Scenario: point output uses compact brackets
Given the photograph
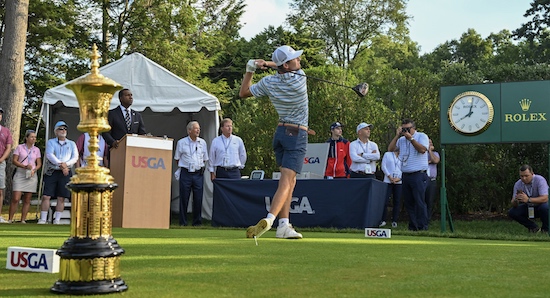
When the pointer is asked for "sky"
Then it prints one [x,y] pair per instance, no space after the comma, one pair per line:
[433,21]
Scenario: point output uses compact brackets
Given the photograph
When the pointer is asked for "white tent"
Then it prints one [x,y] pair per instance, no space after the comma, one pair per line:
[166,102]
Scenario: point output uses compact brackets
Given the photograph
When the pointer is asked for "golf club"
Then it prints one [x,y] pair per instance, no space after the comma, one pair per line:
[361,89]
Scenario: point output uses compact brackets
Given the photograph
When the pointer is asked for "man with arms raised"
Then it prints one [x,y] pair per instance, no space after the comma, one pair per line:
[413,146]
[287,90]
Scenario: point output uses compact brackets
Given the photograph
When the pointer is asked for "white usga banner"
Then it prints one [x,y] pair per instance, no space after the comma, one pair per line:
[377,233]
[32,259]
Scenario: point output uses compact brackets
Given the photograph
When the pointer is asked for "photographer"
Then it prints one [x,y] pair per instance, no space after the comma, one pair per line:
[413,147]
[530,200]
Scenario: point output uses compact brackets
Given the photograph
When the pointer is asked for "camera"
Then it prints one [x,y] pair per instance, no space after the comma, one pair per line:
[406,129]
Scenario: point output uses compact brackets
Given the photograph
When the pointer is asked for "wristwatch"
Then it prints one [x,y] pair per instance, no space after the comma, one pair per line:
[528,200]
[412,139]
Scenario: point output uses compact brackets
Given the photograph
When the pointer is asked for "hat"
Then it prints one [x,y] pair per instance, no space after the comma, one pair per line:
[363,125]
[59,124]
[284,54]
[1,110]
[335,124]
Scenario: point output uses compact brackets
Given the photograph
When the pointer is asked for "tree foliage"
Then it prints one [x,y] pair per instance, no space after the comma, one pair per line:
[348,27]
[535,31]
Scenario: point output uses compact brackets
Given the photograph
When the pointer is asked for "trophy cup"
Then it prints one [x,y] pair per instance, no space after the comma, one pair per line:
[90,258]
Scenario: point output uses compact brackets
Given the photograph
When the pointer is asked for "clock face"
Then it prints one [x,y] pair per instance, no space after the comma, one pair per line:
[470,113]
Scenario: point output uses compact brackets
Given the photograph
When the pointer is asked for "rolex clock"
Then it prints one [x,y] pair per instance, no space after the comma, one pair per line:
[470,113]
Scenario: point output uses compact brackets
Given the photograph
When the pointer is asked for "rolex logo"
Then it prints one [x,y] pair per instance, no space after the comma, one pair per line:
[525,104]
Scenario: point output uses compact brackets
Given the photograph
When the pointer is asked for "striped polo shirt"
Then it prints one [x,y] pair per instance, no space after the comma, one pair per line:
[412,160]
[288,93]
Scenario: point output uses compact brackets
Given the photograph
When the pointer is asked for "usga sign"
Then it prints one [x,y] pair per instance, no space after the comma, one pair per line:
[32,259]
[377,233]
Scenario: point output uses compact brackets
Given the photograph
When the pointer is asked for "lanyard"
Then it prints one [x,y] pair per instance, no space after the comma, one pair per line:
[529,190]
[228,143]
[395,161]
[407,153]
[365,148]
[61,152]
[192,153]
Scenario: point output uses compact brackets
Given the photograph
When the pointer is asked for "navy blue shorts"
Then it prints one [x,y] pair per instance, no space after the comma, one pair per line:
[55,185]
[290,144]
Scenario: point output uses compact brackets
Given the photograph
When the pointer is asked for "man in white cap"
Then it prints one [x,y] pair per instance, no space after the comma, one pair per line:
[364,153]
[6,142]
[287,90]
[61,156]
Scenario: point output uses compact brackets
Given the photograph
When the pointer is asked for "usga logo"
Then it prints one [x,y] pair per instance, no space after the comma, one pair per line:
[147,162]
[377,233]
[32,259]
[296,205]
[311,160]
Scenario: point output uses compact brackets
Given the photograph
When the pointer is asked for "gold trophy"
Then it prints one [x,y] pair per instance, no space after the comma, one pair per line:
[90,258]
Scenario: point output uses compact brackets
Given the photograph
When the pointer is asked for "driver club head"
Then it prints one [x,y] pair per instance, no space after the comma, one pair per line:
[361,89]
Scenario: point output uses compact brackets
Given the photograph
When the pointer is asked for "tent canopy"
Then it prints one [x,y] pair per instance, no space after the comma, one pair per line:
[152,85]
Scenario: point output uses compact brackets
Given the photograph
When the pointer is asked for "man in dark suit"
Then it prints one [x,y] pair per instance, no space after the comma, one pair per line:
[123,120]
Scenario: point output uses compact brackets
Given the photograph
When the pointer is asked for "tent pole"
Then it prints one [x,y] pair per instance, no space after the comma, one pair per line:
[45,110]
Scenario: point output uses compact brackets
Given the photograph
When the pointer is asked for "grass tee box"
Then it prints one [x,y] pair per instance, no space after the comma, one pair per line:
[32,259]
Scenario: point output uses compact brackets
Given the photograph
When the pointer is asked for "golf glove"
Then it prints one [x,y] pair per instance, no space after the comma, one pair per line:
[251,66]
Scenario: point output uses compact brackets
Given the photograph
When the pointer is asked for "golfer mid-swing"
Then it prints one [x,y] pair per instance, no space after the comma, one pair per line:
[288,93]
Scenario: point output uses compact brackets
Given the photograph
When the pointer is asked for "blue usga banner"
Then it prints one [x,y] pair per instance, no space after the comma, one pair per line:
[338,203]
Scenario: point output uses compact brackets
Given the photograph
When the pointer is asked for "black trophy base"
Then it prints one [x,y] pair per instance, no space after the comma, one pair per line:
[88,288]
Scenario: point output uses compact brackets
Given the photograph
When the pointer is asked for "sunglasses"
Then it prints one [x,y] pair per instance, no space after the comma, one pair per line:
[62,128]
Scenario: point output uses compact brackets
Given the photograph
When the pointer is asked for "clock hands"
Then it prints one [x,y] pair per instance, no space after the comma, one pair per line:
[469,113]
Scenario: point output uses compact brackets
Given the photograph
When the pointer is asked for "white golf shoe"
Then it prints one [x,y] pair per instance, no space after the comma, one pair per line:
[288,232]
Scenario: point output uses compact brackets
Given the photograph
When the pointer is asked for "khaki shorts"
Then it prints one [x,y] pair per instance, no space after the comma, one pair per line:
[3,174]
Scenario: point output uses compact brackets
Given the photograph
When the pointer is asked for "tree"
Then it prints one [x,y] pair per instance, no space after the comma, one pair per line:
[349,26]
[536,31]
[12,62]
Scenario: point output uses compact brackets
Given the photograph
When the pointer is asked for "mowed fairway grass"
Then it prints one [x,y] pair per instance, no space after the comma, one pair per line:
[211,262]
